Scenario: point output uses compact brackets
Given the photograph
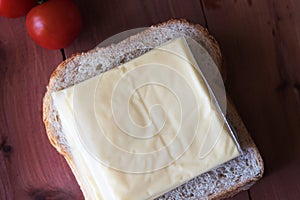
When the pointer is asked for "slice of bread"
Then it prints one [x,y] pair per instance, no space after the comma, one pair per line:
[224,181]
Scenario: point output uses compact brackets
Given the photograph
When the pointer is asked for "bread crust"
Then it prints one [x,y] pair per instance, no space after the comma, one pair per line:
[56,140]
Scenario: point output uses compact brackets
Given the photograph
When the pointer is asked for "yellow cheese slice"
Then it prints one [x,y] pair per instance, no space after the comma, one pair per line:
[145,127]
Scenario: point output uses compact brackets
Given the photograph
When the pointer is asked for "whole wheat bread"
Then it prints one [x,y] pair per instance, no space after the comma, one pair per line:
[224,181]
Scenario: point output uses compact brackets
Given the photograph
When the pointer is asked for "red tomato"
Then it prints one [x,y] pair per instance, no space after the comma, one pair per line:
[15,8]
[54,24]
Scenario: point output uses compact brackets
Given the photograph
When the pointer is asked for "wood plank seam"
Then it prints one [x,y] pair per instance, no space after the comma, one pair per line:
[204,14]
[249,194]
[62,51]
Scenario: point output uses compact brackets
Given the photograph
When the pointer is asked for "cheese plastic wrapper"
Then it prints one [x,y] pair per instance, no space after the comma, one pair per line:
[148,125]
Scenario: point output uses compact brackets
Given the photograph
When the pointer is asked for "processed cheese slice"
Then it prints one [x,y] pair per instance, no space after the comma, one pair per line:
[145,127]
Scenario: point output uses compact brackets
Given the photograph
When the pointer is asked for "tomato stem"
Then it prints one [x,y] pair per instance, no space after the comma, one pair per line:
[41,1]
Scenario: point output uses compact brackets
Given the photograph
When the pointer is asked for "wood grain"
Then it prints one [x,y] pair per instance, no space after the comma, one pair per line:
[103,19]
[29,167]
[260,41]
[240,196]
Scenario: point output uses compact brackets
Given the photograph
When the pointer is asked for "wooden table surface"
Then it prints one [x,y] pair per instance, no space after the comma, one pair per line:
[260,42]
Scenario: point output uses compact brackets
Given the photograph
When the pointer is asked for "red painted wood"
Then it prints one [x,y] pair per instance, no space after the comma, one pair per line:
[240,196]
[260,41]
[103,19]
[29,167]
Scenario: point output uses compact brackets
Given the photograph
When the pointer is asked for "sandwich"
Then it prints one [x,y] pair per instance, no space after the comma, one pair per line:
[138,120]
